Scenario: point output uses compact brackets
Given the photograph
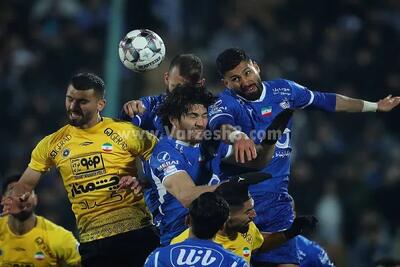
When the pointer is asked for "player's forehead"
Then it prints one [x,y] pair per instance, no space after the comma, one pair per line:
[79,94]
[175,78]
[239,69]
[197,109]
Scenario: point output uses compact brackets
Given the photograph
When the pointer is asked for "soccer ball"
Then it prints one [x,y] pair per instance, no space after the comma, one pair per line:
[141,50]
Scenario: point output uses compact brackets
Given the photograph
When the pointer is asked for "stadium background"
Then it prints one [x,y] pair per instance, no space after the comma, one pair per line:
[346,166]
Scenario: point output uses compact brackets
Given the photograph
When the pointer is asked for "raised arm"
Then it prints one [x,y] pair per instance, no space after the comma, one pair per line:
[348,104]
[182,187]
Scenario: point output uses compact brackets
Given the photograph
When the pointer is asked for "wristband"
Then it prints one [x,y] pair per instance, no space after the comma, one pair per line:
[233,136]
[369,106]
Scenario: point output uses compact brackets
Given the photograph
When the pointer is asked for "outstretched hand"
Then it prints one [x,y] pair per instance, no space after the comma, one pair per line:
[134,107]
[388,103]
[15,204]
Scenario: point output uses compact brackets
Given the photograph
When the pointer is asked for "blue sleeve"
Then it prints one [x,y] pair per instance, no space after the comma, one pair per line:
[302,98]
[150,261]
[222,112]
[150,102]
[164,163]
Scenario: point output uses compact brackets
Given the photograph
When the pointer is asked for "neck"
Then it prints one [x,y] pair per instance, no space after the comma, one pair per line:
[21,227]
[193,236]
[176,134]
[230,234]
[92,122]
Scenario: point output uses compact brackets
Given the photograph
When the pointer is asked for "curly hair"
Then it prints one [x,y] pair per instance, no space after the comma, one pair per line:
[178,102]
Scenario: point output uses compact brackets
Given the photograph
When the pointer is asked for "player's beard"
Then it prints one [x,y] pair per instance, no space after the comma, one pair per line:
[242,228]
[251,95]
[23,215]
[77,122]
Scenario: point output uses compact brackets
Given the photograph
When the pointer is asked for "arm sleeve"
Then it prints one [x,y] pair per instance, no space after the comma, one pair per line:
[40,157]
[141,143]
[152,259]
[303,98]
[67,247]
[222,112]
[164,163]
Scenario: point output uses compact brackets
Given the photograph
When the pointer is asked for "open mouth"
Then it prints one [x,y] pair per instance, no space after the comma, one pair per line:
[250,89]
[74,115]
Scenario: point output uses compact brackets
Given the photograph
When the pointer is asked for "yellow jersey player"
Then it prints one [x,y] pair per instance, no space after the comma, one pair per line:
[27,239]
[92,153]
[239,234]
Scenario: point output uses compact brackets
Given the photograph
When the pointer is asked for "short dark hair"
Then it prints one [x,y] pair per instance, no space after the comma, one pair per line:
[190,67]
[8,180]
[208,213]
[235,194]
[87,81]
[229,59]
[178,102]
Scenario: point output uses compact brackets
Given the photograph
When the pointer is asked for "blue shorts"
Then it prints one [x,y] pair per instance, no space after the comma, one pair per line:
[275,214]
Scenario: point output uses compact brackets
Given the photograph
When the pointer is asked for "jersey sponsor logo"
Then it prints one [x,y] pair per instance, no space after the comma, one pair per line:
[186,255]
[217,108]
[66,152]
[163,156]
[281,91]
[116,138]
[57,148]
[168,167]
[110,183]
[87,165]
[285,104]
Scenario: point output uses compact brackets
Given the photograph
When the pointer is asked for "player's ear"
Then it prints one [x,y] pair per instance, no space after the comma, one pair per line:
[173,121]
[101,104]
[166,78]
[35,199]
[256,67]
[224,82]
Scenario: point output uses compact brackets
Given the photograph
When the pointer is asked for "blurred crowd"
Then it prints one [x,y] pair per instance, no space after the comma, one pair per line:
[346,167]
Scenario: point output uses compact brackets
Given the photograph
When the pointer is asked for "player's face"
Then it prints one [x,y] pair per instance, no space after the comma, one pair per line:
[190,127]
[239,220]
[245,80]
[83,107]
[31,203]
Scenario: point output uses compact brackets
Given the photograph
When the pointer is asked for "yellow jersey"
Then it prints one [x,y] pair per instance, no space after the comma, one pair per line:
[47,244]
[243,245]
[91,162]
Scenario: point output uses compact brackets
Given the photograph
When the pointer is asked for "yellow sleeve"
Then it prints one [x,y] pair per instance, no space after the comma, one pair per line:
[66,247]
[258,237]
[180,238]
[141,143]
[40,160]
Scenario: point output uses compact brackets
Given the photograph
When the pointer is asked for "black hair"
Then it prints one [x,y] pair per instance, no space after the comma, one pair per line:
[190,67]
[8,180]
[235,194]
[208,213]
[229,59]
[178,102]
[87,81]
